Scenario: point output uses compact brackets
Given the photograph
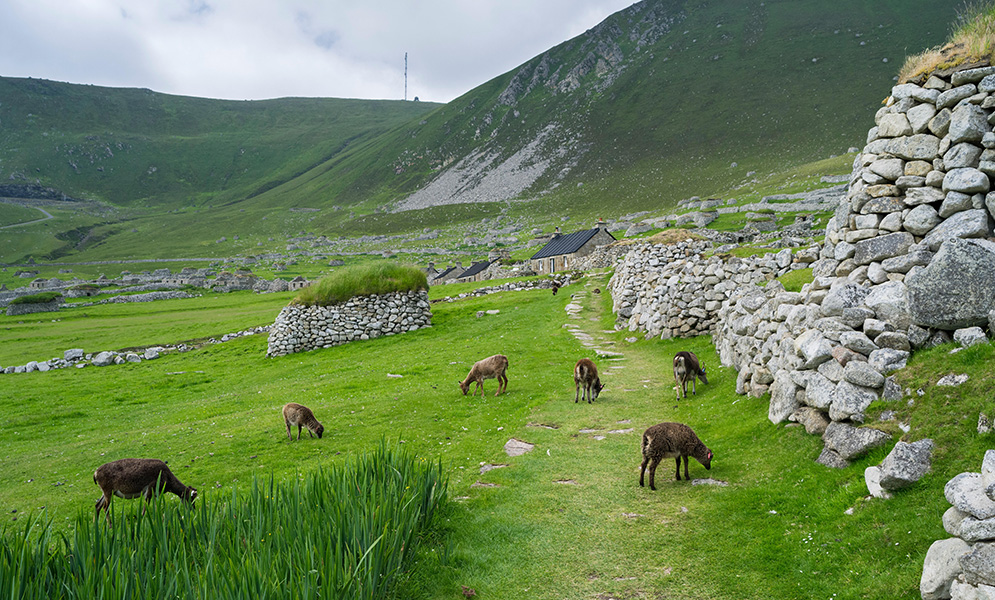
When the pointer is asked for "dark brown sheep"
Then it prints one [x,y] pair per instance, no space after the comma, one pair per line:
[672,440]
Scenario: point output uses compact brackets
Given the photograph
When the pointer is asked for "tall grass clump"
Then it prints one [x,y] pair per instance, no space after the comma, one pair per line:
[363,280]
[972,41]
[345,533]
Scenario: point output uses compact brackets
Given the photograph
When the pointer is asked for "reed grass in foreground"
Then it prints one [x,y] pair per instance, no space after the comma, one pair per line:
[346,532]
[363,280]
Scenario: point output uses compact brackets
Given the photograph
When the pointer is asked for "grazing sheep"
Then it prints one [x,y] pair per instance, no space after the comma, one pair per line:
[597,290]
[301,416]
[586,374]
[672,440]
[488,368]
[556,288]
[687,368]
[134,477]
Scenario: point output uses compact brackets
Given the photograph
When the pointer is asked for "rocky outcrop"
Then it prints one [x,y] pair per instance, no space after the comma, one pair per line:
[301,328]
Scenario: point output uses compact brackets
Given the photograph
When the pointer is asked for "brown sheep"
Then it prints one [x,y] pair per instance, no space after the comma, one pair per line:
[134,477]
[687,368]
[489,368]
[586,375]
[301,416]
[672,440]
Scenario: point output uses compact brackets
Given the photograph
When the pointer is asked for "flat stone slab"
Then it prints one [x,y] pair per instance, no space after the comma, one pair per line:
[515,447]
[709,481]
[565,481]
[486,468]
[629,430]
[481,484]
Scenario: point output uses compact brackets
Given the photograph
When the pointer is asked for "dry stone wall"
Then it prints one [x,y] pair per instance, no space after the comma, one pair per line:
[301,328]
[672,290]
[908,262]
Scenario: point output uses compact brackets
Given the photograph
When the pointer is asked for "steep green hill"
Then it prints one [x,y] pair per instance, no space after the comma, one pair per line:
[661,101]
[138,148]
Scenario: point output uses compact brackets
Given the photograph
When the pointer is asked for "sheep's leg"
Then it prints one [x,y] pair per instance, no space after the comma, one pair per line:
[576,391]
[290,436]
[678,473]
[299,433]
[686,461]
[505,377]
[653,465]
[642,469]
[694,386]
[589,392]
[103,503]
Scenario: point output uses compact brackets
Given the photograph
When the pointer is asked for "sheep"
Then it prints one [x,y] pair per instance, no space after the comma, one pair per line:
[301,416]
[587,374]
[556,288]
[687,368]
[488,368]
[672,440]
[134,477]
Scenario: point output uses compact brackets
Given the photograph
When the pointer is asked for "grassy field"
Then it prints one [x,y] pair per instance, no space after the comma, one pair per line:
[565,520]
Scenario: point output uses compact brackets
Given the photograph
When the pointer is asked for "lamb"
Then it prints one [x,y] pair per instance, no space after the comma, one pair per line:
[301,416]
[587,374]
[687,368]
[488,368]
[556,288]
[134,477]
[672,440]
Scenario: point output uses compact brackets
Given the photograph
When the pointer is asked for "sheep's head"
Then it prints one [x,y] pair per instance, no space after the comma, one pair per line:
[598,386]
[463,385]
[708,461]
[320,430]
[190,494]
[702,376]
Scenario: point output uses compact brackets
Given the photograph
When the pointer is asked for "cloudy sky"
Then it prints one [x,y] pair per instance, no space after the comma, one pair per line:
[254,49]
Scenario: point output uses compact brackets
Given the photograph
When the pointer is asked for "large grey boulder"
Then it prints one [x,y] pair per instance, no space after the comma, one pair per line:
[852,442]
[814,420]
[73,354]
[862,374]
[887,360]
[920,146]
[103,359]
[957,288]
[906,464]
[819,391]
[970,336]
[973,223]
[941,566]
[967,180]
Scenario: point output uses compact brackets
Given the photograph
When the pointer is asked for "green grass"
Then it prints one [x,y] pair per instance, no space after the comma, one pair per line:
[11,214]
[39,298]
[778,530]
[348,532]
[794,280]
[363,280]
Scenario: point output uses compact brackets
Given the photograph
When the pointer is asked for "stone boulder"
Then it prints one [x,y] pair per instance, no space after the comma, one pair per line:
[103,359]
[973,223]
[852,442]
[906,464]
[941,566]
[957,288]
[783,397]
[966,493]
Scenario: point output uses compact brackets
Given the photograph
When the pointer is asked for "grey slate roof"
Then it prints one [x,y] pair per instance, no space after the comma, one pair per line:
[475,268]
[444,274]
[567,244]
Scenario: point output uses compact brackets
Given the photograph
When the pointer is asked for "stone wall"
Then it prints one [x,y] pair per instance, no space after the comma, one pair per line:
[963,566]
[671,290]
[301,328]
[14,310]
[907,263]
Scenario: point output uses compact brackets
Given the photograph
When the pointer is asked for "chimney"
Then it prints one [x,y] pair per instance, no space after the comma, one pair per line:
[431,266]
[556,233]
[601,224]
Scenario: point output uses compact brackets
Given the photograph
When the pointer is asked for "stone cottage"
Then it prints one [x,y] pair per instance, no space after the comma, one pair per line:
[561,251]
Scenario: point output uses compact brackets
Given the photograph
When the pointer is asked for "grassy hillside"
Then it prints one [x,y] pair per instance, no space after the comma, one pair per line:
[139,148]
[565,520]
[664,100]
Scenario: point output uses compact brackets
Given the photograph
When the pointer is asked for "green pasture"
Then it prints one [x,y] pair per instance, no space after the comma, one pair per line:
[568,519]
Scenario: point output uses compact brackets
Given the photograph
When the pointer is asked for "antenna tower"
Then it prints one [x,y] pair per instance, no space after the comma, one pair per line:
[405,75]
